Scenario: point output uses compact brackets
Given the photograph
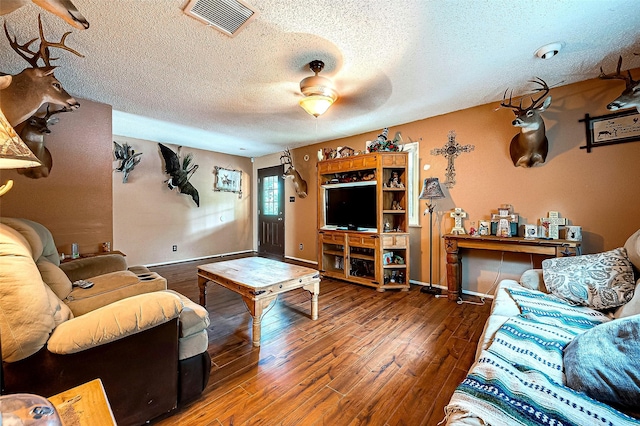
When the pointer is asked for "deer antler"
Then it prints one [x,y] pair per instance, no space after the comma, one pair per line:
[287,156]
[23,50]
[618,75]
[49,114]
[544,88]
[32,57]
[510,105]
[534,102]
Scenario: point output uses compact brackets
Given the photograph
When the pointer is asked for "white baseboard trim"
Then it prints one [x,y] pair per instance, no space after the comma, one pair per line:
[213,256]
[311,262]
[471,293]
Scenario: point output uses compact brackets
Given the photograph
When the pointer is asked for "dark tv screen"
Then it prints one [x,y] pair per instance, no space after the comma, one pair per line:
[351,207]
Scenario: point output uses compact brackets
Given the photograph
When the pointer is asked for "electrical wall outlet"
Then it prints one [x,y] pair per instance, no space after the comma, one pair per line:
[300,246]
[174,248]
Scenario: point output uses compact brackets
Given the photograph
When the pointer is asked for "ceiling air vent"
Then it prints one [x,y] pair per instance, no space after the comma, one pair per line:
[227,16]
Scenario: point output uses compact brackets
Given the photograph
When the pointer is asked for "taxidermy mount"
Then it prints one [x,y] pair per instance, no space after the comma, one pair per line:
[128,158]
[630,96]
[180,173]
[299,184]
[32,133]
[35,86]
[529,147]
[61,8]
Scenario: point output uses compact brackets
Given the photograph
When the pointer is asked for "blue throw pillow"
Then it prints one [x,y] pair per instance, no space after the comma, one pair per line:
[604,363]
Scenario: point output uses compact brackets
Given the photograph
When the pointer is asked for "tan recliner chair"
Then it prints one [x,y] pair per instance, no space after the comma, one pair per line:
[147,344]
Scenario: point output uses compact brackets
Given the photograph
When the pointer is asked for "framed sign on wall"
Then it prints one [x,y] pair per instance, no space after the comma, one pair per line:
[611,129]
[227,180]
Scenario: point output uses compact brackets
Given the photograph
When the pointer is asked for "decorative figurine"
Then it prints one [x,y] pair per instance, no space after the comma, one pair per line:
[457,214]
[506,222]
[484,228]
[530,232]
[574,233]
[552,223]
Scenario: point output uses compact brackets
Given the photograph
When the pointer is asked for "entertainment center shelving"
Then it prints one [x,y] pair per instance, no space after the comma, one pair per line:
[376,254]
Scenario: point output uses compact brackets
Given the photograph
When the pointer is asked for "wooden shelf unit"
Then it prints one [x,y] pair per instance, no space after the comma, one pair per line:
[358,256]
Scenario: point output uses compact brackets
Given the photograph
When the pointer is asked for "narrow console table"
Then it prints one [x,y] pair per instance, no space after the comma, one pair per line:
[454,243]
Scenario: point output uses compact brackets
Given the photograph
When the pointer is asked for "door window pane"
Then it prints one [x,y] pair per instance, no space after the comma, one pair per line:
[270,196]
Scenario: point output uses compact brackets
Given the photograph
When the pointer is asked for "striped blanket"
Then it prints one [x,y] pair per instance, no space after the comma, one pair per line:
[518,379]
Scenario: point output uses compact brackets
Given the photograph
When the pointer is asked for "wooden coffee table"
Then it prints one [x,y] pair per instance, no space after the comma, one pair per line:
[259,281]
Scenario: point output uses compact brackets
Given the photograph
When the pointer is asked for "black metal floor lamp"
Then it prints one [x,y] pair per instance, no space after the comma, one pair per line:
[431,190]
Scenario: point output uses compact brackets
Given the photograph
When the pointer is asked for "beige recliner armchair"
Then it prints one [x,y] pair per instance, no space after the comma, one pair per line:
[147,344]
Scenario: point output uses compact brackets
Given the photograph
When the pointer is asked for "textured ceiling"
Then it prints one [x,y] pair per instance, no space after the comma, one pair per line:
[174,80]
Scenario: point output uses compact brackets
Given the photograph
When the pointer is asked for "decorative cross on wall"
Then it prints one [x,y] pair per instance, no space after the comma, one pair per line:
[450,151]
[457,214]
[552,223]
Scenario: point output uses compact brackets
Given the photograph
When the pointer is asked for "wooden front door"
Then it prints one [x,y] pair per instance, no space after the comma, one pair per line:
[271,212]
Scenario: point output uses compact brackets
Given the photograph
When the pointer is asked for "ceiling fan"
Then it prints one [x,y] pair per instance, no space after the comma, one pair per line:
[319,93]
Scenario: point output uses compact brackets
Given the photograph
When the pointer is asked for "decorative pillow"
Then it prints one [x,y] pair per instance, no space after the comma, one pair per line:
[632,307]
[604,362]
[633,249]
[532,279]
[601,281]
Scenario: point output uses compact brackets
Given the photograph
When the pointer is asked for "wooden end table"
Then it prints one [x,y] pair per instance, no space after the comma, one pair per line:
[84,405]
[259,281]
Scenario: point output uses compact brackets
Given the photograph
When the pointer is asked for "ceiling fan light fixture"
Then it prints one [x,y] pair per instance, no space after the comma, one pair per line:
[316,105]
[318,91]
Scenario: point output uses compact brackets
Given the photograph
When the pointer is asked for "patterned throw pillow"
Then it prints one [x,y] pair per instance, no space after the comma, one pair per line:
[601,281]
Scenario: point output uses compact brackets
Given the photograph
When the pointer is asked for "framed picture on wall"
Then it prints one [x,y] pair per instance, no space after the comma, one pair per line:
[227,180]
[610,129]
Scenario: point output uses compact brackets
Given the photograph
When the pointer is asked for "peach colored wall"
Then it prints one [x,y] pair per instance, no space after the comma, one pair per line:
[148,218]
[597,190]
[74,201]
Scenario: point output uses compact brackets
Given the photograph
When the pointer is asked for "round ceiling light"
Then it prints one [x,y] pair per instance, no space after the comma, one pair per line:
[548,50]
[318,91]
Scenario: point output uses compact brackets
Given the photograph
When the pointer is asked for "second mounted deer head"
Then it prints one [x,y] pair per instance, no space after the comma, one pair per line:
[35,86]
[33,135]
[529,147]
[630,96]
[299,184]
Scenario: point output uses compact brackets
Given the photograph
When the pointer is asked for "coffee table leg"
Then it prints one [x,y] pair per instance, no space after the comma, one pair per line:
[314,289]
[202,284]
[256,309]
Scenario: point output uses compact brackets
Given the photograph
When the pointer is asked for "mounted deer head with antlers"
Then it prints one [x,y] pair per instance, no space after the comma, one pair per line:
[630,96]
[299,184]
[62,8]
[529,147]
[33,135]
[34,86]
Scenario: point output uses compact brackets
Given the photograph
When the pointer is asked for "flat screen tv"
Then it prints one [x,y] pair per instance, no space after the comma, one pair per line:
[351,207]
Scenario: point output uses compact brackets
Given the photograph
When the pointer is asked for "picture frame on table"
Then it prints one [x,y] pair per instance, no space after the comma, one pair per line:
[227,180]
[611,129]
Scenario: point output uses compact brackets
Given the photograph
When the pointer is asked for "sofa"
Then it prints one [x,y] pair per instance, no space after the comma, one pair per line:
[147,344]
[560,347]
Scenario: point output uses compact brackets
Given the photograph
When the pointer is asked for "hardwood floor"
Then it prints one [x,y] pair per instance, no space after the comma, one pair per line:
[372,358]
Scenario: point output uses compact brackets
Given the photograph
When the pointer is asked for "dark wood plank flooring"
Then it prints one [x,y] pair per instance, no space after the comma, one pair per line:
[391,358]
